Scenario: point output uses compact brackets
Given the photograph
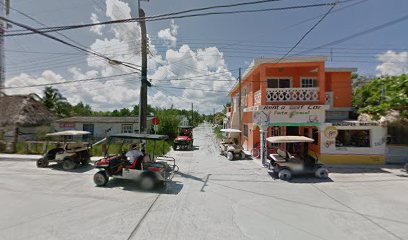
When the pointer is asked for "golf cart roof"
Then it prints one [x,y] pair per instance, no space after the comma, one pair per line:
[289,139]
[139,136]
[230,130]
[185,126]
[68,133]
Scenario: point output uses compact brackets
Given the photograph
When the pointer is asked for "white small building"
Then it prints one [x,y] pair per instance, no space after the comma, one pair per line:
[97,125]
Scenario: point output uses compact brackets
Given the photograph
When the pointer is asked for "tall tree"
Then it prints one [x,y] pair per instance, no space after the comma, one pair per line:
[382,94]
[55,102]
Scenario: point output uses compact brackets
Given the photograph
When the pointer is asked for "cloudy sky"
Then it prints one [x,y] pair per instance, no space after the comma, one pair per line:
[191,60]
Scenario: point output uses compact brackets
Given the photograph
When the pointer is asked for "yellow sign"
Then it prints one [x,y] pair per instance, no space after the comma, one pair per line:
[330,132]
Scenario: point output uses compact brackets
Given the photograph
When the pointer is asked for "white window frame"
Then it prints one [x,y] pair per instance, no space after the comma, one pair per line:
[127,125]
[281,78]
[309,84]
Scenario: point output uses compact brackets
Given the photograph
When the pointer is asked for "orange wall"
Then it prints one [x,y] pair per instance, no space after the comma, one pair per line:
[340,84]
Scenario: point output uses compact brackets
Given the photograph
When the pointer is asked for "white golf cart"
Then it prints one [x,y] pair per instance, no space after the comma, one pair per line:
[285,165]
[70,154]
[229,145]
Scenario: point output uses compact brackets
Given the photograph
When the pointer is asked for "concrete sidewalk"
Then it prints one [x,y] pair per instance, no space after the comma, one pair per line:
[30,157]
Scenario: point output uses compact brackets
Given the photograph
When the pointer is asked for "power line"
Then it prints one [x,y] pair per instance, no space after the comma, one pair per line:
[170,16]
[309,31]
[72,81]
[61,41]
[364,32]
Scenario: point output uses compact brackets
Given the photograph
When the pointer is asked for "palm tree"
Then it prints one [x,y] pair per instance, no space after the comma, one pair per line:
[53,100]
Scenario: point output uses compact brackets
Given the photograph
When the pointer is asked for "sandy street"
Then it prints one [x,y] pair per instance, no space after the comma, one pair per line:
[210,198]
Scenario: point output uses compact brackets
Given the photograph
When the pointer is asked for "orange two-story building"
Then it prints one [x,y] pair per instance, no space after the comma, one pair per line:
[300,96]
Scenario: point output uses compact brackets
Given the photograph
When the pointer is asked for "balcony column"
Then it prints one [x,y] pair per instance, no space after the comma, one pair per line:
[322,83]
[262,84]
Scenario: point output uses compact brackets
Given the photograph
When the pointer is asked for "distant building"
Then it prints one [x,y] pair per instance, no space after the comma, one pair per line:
[20,118]
[97,125]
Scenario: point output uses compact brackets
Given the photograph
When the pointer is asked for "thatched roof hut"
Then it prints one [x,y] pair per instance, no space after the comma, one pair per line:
[22,111]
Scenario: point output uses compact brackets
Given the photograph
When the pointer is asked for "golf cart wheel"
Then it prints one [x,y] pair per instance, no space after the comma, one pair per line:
[42,163]
[230,156]
[175,147]
[147,183]
[322,173]
[85,161]
[243,155]
[285,175]
[68,164]
[100,178]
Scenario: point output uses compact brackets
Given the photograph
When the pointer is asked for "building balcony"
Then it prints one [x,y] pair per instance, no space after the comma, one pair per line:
[292,95]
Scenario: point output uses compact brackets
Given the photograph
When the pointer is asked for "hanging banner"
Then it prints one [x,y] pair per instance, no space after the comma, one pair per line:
[288,115]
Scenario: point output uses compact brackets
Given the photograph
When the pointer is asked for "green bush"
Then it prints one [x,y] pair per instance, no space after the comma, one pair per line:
[217,132]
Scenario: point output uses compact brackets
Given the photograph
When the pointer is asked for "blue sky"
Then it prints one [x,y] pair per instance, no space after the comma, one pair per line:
[230,41]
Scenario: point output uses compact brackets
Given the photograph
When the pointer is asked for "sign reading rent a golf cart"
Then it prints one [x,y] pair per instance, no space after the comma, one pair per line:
[287,115]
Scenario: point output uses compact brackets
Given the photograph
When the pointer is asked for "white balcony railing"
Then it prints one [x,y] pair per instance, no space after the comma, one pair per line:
[292,94]
[257,97]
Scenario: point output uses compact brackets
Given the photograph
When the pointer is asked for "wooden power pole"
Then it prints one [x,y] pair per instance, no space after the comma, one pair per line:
[143,87]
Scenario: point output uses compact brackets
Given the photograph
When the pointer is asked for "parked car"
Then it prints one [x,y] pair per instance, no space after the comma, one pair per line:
[70,154]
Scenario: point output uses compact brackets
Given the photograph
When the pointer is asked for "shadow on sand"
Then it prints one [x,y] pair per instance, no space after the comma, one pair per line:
[171,188]
[79,169]
[303,179]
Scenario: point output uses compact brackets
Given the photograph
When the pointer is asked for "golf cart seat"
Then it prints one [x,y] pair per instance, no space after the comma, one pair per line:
[76,147]
[137,164]
[227,141]
[281,156]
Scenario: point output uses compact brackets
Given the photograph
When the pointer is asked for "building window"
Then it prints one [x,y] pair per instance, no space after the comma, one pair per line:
[88,127]
[127,128]
[278,83]
[353,138]
[246,130]
[309,82]
[315,136]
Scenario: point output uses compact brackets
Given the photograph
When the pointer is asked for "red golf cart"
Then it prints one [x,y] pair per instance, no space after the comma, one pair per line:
[149,171]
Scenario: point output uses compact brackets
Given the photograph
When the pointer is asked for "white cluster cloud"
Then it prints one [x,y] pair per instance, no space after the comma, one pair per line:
[180,77]
[393,63]
[169,35]
[98,28]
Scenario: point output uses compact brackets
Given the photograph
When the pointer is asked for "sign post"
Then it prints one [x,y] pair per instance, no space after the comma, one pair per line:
[155,122]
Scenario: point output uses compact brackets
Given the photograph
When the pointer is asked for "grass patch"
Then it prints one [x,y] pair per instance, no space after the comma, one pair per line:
[217,132]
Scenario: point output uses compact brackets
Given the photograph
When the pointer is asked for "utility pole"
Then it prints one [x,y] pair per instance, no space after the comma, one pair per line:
[4,11]
[192,114]
[239,106]
[143,87]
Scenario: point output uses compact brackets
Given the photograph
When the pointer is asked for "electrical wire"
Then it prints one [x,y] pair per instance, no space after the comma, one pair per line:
[159,18]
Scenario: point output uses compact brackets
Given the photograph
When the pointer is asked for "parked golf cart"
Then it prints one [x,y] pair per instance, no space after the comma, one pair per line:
[229,146]
[70,154]
[184,140]
[149,171]
[285,165]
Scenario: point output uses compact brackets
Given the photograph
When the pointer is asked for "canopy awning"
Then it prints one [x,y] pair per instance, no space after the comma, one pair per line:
[289,139]
[68,133]
[230,130]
